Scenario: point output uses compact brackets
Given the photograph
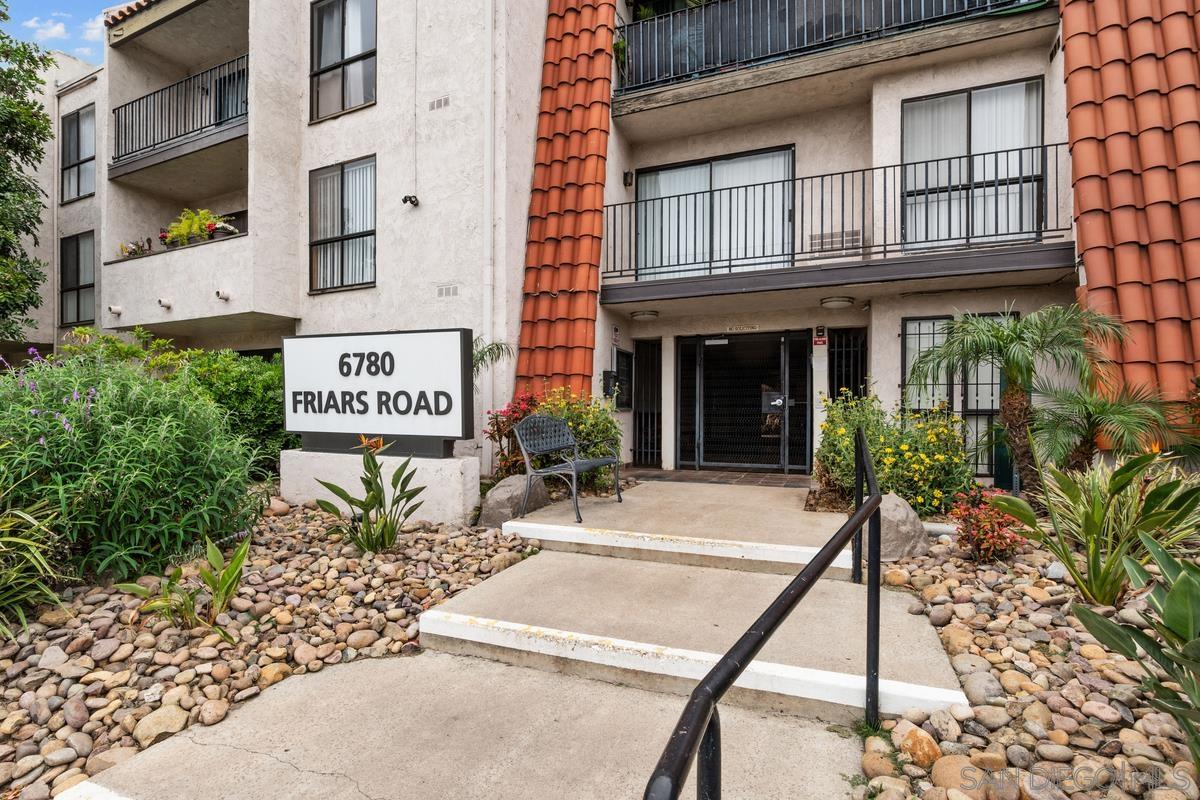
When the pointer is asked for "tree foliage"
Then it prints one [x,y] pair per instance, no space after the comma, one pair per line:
[25,128]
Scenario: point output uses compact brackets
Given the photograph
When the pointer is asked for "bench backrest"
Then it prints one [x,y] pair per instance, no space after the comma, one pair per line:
[539,434]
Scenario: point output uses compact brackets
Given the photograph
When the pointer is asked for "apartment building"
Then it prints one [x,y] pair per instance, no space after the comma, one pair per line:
[71,175]
[727,210]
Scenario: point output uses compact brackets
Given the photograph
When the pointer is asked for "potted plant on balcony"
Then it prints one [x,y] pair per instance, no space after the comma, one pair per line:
[196,226]
[138,247]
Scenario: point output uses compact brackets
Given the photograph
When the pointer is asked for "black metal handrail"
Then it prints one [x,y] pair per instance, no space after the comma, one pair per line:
[719,35]
[959,202]
[699,727]
[198,103]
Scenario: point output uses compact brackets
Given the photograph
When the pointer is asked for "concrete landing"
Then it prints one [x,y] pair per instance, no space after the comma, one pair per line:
[441,726]
[753,528]
[661,626]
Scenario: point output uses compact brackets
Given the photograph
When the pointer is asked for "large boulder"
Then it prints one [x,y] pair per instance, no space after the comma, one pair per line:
[901,531]
[503,502]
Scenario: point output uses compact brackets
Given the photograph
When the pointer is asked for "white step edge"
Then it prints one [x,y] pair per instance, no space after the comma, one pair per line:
[90,790]
[835,688]
[689,545]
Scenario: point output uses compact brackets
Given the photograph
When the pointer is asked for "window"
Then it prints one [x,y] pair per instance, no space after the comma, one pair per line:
[978,385]
[77,282]
[343,56]
[79,154]
[732,214]
[342,225]
[973,165]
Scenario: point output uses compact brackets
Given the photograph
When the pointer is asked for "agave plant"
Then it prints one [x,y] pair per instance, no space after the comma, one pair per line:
[1174,613]
[376,519]
[1102,514]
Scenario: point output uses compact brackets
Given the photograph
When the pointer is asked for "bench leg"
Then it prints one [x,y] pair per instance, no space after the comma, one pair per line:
[525,499]
[617,478]
[575,494]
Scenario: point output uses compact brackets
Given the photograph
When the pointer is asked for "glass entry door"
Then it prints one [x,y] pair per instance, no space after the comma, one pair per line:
[744,401]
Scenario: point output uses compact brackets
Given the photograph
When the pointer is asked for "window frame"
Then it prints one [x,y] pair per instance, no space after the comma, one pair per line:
[343,237]
[315,72]
[77,288]
[966,188]
[904,403]
[66,165]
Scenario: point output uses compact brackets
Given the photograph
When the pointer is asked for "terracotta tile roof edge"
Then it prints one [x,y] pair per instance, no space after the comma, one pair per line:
[119,13]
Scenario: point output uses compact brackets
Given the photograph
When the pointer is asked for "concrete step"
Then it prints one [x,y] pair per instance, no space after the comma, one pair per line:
[752,528]
[442,726]
[780,559]
[662,626]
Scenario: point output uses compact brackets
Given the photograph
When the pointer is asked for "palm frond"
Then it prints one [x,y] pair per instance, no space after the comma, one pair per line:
[484,354]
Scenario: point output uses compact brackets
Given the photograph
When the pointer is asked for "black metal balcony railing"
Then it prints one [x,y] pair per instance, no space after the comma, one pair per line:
[721,34]
[964,202]
[198,103]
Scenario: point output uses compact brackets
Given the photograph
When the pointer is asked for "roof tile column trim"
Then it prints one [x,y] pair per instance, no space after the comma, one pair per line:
[566,205]
[1133,116]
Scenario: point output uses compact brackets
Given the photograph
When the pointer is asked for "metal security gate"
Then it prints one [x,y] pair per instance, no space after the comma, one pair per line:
[744,401]
[847,361]
[647,403]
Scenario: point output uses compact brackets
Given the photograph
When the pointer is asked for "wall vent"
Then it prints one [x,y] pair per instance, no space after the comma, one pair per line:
[439,103]
[446,290]
[835,241]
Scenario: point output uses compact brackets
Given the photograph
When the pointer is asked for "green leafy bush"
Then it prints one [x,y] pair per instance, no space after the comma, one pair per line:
[1174,613]
[1102,513]
[921,457]
[192,605]
[136,469]
[593,421]
[27,550]
[376,520]
[250,389]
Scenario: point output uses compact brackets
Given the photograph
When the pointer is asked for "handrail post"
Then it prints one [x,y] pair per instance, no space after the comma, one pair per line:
[873,581]
[856,547]
[708,765]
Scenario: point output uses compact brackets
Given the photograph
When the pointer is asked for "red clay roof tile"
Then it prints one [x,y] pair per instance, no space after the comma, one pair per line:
[1133,108]
[566,207]
[117,13]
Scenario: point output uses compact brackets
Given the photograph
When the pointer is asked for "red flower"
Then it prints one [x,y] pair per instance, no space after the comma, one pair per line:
[210,226]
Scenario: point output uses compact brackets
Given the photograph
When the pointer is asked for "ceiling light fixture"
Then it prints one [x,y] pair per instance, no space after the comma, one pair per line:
[643,316]
[839,301]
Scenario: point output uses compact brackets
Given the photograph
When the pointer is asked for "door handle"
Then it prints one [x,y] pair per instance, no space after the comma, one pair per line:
[777,402]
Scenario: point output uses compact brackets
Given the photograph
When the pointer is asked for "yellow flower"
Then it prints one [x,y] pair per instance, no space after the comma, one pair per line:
[889,461]
[824,425]
[888,450]
[904,447]
[920,499]
[937,492]
[841,431]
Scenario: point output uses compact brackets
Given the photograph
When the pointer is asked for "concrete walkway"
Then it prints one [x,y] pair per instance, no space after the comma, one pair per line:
[438,726]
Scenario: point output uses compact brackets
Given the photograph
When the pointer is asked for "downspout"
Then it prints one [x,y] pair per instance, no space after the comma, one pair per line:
[489,209]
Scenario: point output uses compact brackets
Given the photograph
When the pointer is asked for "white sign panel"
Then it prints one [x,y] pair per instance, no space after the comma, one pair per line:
[406,383]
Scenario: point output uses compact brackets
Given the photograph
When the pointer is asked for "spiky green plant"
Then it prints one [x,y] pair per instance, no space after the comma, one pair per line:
[26,572]
[376,519]
[1174,613]
[1102,513]
[1069,422]
[1068,338]
[484,354]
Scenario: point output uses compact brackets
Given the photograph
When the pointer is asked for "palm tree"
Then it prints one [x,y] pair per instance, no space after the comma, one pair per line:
[1067,338]
[484,354]
[1069,422]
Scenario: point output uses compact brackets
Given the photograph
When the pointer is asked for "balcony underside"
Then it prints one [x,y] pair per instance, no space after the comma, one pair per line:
[225,325]
[990,267]
[803,82]
[209,166]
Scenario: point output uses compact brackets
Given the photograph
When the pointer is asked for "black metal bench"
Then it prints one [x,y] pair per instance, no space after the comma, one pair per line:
[539,435]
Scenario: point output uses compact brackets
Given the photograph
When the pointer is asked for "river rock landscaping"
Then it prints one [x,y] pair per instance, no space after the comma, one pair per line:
[1052,714]
[90,683]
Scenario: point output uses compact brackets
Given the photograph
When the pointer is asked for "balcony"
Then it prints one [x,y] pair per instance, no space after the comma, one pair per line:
[201,110]
[723,35]
[987,212]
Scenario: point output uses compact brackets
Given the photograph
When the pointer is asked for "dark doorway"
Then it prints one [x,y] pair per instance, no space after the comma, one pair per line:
[647,403]
[848,361]
[744,401]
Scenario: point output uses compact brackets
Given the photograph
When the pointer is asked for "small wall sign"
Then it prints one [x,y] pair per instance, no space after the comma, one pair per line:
[398,383]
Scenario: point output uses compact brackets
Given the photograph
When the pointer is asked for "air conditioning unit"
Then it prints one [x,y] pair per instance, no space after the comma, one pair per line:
[847,241]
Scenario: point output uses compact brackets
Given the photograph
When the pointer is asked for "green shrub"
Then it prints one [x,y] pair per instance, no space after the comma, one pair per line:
[376,520]
[137,469]
[920,457]
[27,550]
[1174,613]
[1101,514]
[250,389]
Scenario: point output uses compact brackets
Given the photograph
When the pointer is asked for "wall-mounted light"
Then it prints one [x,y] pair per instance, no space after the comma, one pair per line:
[164,303]
[115,310]
[627,177]
[643,316]
[223,295]
[410,199]
[839,301]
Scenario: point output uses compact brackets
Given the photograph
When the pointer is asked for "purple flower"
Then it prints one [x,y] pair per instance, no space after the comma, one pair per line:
[66,426]
[34,412]
[32,386]
[41,440]
[75,395]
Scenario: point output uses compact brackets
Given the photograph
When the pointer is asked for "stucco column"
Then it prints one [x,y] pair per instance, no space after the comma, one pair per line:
[819,390]
[669,403]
